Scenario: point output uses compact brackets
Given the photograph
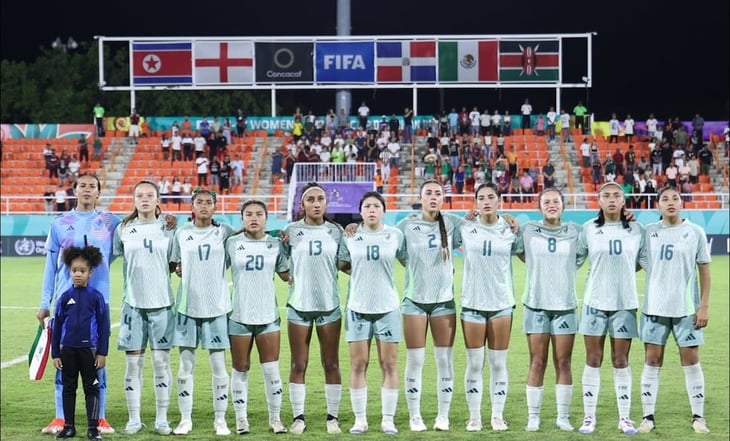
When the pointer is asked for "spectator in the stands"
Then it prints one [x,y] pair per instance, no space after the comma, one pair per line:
[201,164]
[698,125]
[297,129]
[176,191]
[679,156]
[629,128]
[464,122]
[187,144]
[97,149]
[526,189]
[363,112]
[585,152]
[597,172]
[74,166]
[459,179]
[706,160]
[512,161]
[672,173]
[289,162]
[637,197]
[610,171]
[165,143]
[226,130]
[394,128]
[507,125]
[63,173]
[237,166]
[187,125]
[394,149]
[613,129]
[176,147]
[70,198]
[650,192]
[630,158]
[618,159]
[52,162]
[214,172]
[683,171]
[200,144]
[681,139]
[216,126]
[540,125]
[134,131]
[686,189]
[565,135]
[49,197]
[83,149]
[548,175]
[61,197]
[187,190]
[224,176]
[500,168]
[651,126]
[164,187]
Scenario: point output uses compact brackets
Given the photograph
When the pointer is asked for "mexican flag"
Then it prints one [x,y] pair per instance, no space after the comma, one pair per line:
[467,61]
[522,60]
[39,351]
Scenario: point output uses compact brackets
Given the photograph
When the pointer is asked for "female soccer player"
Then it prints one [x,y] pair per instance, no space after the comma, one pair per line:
[314,300]
[254,257]
[147,314]
[84,225]
[552,257]
[429,301]
[673,304]
[203,303]
[372,309]
[487,301]
[610,302]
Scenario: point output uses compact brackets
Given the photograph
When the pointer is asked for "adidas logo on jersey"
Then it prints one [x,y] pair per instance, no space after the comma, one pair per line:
[473,231]
[132,231]
[538,230]
[417,228]
[270,246]
[71,302]
[358,239]
[690,337]
[240,248]
[564,325]
[599,232]
[655,235]
[70,228]
[216,339]
[622,329]
[301,233]
[189,238]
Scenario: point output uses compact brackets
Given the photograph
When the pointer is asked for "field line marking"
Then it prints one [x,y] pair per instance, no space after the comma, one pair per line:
[14,361]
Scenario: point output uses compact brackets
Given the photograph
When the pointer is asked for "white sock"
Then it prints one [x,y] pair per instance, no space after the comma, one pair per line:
[220,383]
[186,384]
[133,386]
[498,381]
[563,396]
[413,377]
[622,385]
[359,402]
[297,394]
[534,400]
[694,380]
[239,393]
[474,382]
[272,386]
[591,387]
[388,403]
[445,382]
[649,388]
[163,374]
[333,395]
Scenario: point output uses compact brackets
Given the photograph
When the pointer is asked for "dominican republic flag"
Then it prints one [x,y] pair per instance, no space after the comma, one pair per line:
[163,63]
[406,61]
[39,351]
[224,62]
[531,61]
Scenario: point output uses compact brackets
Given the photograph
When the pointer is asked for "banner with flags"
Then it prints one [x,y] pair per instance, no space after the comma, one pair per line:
[284,62]
[406,61]
[224,62]
[467,61]
[522,60]
[163,63]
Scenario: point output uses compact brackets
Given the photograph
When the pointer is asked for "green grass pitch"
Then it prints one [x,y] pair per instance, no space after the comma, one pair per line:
[27,406]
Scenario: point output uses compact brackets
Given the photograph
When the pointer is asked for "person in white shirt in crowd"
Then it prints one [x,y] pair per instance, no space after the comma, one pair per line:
[201,164]
[614,126]
[199,142]
[526,111]
[394,149]
[565,126]
[237,165]
[474,119]
[485,122]
[651,126]
[629,128]
[496,123]
[552,121]
[363,112]
[176,141]
[585,152]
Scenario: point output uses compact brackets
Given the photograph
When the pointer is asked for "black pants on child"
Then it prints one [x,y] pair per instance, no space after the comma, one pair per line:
[79,361]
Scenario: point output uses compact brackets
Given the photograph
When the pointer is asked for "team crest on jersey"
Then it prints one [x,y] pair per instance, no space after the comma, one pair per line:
[100,227]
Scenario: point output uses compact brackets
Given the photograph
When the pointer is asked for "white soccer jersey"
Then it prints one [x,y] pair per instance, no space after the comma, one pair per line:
[146,247]
[429,278]
[372,255]
[487,284]
[203,290]
[670,260]
[613,253]
[552,259]
[254,263]
[313,252]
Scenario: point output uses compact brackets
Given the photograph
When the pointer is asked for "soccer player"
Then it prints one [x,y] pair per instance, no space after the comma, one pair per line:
[81,341]
[675,252]
[372,309]
[487,301]
[314,300]
[254,257]
[203,303]
[429,301]
[610,302]
[552,258]
[82,226]
[147,304]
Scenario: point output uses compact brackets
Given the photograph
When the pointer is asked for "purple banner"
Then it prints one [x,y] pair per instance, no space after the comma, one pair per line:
[714,128]
[342,197]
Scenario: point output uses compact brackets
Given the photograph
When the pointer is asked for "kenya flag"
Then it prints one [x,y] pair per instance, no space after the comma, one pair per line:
[522,60]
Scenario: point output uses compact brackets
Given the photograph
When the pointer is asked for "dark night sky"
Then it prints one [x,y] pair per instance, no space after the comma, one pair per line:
[648,56]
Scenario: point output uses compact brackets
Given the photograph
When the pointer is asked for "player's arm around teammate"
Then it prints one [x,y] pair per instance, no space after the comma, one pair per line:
[675,253]
[254,258]
[373,309]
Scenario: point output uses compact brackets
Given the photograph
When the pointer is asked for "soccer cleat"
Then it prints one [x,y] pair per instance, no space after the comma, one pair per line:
[104,427]
[563,424]
[221,427]
[699,425]
[132,427]
[93,434]
[163,428]
[533,424]
[589,425]
[66,432]
[417,424]
[498,424]
[441,423]
[298,426]
[54,427]
[626,426]
[333,426]
[185,427]
[242,426]
[359,428]
[276,427]
[474,425]
[646,425]
[388,428]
